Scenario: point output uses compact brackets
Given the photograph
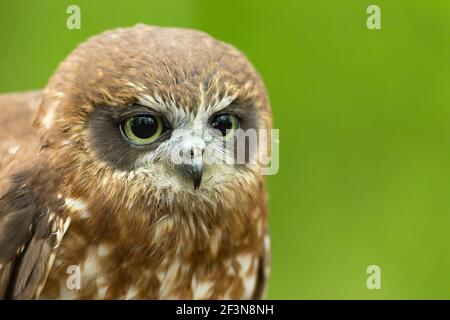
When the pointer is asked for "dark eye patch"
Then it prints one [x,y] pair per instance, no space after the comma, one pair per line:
[107,140]
[249,119]
[246,113]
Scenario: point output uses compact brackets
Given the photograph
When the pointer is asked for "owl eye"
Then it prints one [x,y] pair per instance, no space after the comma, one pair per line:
[226,124]
[142,129]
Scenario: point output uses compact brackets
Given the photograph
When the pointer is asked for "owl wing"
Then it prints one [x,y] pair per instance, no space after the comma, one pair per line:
[29,235]
[29,230]
[17,112]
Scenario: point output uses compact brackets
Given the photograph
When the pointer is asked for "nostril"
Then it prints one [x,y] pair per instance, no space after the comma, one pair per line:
[196,152]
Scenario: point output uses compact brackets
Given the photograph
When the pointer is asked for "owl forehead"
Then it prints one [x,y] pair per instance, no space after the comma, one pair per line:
[179,104]
[180,91]
[187,109]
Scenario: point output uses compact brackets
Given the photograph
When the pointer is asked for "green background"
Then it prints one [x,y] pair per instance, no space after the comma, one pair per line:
[364,126]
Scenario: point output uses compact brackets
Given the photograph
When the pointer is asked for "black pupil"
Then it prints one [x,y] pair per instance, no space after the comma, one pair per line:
[144,127]
[222,123]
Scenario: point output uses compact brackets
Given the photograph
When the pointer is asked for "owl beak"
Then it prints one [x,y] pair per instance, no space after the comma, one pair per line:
[192,169]
[193,172]
[196,175]
[195,167]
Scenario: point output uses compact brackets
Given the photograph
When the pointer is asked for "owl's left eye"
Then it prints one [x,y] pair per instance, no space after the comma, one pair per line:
[142,129]
[226,124]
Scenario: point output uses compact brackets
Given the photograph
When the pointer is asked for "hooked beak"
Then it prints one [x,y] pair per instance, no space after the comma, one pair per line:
[196,175]
[194,172]
[191,166]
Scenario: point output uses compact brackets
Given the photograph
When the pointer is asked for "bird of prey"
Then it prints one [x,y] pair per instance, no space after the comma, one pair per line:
[93,204]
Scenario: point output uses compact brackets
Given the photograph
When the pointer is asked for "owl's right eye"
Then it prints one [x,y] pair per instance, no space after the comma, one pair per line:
[142,129]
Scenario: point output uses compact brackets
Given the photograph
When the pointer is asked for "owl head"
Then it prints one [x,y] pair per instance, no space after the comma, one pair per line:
[147,116]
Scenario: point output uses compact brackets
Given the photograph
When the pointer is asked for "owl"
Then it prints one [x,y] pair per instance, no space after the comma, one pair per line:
[110,181]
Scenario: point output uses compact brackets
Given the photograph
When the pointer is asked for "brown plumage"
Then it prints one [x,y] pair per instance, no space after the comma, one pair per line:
[76,192]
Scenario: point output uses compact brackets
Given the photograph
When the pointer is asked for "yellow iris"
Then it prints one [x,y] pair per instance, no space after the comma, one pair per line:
[142,130]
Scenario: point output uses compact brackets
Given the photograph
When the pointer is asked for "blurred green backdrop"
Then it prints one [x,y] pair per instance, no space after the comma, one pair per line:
[364,119]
